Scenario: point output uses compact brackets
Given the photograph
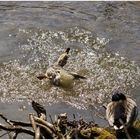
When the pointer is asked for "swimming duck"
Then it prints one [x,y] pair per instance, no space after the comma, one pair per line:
[57,75]
[121,112]
[60,77]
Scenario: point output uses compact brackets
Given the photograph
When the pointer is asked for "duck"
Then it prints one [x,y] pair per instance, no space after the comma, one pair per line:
[121,112]
[62,60]
[60,77]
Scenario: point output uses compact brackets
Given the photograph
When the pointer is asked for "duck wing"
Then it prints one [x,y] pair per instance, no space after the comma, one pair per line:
[110,113]
[132,111]
[115,114]
[77,76]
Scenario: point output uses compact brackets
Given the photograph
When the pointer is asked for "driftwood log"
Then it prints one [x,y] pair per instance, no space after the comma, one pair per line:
[38,127]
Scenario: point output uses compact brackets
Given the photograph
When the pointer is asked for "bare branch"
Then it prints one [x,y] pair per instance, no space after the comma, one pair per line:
[31,118]
[18,129]
[49,125]
[11,122]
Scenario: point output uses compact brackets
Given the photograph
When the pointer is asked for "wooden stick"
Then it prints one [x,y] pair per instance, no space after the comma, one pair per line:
[11,136]
[51,119]
[31,118]
[11,122]
[4,134]
[18,129]
[46,128]
[49,125]
[23,124]
[35,128]
[5,119]
[37,133]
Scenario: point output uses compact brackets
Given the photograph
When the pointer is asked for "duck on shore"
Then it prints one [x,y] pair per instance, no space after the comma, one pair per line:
[57,75]
[121,112]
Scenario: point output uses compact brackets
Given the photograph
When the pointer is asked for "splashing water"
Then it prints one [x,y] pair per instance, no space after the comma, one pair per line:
[105,72]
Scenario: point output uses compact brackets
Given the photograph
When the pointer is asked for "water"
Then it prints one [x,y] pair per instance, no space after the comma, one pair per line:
[103,37]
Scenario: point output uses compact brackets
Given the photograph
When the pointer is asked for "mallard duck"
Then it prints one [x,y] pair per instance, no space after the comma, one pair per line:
[121,112]
[60,77]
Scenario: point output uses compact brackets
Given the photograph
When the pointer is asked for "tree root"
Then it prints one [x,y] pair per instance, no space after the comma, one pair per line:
[60,129]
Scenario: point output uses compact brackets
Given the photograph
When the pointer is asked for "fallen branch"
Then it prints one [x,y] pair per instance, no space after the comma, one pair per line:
[15,123]
[18,129]
[61,128]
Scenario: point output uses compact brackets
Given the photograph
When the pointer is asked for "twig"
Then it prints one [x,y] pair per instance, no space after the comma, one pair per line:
[35,127]
[23,124]
[52,122]
[46,128]
[12,136]
[49,125]
[5,119]
[74,116]
[18,129]
[51,119]
[104,107]
[31,118]
[11,122]
[4,134]
[37,133]
[39,121]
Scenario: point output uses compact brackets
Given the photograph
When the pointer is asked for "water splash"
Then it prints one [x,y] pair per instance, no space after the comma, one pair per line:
[105,72]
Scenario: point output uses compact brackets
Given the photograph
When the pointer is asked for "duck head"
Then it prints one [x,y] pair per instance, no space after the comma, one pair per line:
[118,96]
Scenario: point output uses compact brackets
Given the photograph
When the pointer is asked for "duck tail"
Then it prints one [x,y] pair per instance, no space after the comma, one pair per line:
[119,123]
[42,76]
[77,76]
[122,133]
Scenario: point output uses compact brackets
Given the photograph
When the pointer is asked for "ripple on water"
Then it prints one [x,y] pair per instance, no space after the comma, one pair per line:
[105,72]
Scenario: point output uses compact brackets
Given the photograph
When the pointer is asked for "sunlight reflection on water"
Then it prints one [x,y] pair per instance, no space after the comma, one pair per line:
[105,71]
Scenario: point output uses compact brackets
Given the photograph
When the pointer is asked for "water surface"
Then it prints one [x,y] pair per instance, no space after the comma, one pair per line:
[104,38]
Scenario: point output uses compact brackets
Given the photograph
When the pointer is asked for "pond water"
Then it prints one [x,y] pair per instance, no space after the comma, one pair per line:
[104,38]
